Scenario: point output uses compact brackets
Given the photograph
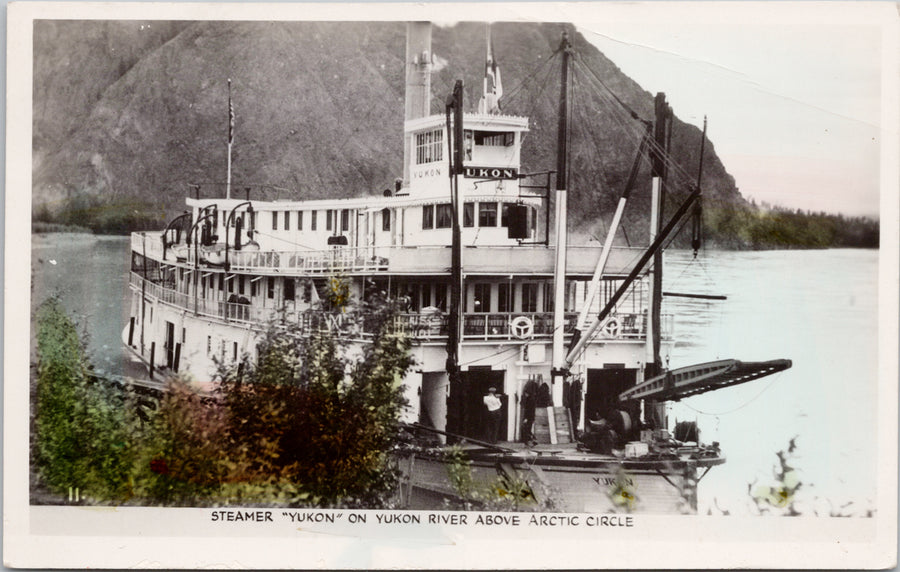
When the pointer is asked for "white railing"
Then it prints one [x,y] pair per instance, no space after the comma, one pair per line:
[424,326]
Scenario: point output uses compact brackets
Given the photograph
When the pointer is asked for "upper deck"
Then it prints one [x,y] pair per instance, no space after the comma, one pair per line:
[526,260]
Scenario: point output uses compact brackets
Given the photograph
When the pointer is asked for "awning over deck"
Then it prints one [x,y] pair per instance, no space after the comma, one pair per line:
[700,378]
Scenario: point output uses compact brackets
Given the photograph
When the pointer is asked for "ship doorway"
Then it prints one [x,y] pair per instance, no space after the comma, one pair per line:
[603,389]
[170,344]
[477,381]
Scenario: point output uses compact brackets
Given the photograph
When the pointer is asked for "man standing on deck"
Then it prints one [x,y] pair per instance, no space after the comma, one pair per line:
[493,404]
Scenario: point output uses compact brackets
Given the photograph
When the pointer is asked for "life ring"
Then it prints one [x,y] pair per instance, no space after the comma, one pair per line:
[611,329]
[521,327]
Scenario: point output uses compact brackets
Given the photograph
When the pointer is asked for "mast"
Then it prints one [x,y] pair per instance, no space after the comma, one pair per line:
[557,371]
[658,189]
[454,117]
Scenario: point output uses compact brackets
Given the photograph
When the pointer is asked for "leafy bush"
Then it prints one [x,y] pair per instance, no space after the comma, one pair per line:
[83,430]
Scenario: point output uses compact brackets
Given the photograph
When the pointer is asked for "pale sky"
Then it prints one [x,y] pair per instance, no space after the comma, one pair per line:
[794,105]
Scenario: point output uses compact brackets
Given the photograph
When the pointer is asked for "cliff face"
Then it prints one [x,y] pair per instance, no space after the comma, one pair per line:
[131,113]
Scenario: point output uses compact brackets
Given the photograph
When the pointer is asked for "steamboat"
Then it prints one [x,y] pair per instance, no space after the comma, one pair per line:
[544,360]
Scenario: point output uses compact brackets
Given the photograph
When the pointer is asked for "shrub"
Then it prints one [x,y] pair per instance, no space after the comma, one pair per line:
[83,430]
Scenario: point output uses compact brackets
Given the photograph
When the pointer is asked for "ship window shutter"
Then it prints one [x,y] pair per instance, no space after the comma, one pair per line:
[517,221]
[428,217]
[444,216]
[385,219]
[469,214]
[287,220]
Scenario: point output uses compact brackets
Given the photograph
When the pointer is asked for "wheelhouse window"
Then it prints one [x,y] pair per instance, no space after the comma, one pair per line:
[385,219]
[428,217]
[469,214]
[429,146]
[482,297]
[494,139]
[487,214]
[444,216]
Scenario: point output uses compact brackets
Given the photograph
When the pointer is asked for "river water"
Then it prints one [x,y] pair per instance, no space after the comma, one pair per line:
[817,308]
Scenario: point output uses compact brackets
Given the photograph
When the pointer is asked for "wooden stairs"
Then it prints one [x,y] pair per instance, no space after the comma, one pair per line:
[553,426]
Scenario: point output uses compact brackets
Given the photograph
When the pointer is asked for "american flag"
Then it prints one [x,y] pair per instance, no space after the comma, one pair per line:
[230,116]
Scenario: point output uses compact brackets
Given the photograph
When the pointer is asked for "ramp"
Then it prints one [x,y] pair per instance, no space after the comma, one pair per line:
[700,378]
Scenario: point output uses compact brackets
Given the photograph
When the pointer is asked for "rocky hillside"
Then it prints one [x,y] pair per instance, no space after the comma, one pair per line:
[128,114]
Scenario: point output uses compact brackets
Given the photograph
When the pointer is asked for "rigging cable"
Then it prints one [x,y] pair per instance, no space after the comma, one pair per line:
[738,408]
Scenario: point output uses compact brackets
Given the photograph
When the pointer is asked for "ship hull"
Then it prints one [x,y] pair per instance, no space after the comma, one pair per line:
[572,482]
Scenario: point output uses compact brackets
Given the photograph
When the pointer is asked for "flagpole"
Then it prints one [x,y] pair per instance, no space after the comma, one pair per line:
[230,140]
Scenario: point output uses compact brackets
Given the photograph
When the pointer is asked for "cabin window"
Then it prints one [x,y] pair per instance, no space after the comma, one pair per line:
[241,285]
[529,297]
[444,216]
[289,289]
[469,142]
[504,215]
[234,348]
[469,214]
[329,216]
[548,297]
[274,220]
[299,220]
[312,219]
[429,146]
[287,220]
[270,291]
[183,335]
[482,297]
[231,285]
[493,139]
[386,219]
[345,220]
[428,217]
[221,282]
[504,297]
[487,214]
[253,288]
